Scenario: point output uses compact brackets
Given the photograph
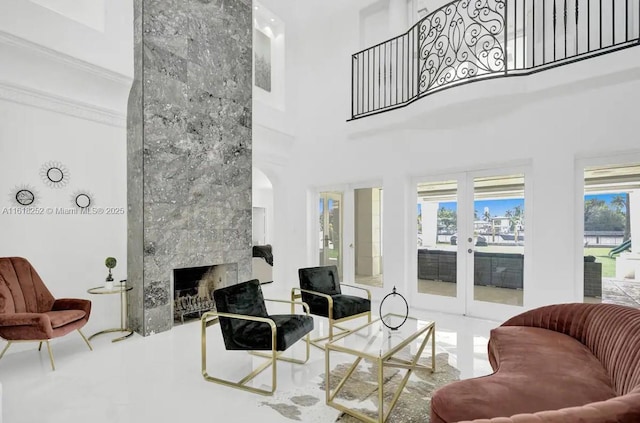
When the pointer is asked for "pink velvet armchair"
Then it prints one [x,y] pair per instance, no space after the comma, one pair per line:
[28,311]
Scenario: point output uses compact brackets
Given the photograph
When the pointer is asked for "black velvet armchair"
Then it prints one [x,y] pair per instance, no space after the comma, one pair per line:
[320,288]
[246,325]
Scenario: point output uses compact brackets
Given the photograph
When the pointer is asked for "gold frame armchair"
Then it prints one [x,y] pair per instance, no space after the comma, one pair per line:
[30,313]
[246,325]
[320,288]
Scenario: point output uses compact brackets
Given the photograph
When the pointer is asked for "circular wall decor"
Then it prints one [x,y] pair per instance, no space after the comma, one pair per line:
[394,310]
[24,195]
[54,174]
[82,199]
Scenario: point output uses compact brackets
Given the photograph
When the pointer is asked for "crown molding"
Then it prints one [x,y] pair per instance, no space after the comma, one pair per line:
[59,104]
[65,59]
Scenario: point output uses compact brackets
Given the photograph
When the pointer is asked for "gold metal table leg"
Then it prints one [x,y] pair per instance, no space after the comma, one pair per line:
[391,362]
[102,332]
[123,322]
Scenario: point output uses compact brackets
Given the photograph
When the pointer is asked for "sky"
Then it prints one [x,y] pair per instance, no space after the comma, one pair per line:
[500,207]
[496,207]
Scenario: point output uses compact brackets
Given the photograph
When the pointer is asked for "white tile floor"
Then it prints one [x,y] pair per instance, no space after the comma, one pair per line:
[158,378]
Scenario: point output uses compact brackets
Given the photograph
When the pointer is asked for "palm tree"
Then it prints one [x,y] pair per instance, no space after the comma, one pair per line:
[516,217]
[487,216]
[623,202]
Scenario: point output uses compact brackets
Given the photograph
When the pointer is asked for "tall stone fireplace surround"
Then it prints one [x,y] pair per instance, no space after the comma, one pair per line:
[189,148]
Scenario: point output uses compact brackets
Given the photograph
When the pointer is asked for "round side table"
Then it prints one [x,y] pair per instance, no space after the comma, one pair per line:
[121,289]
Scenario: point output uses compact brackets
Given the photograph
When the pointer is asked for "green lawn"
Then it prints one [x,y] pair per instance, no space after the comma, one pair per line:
[602,256]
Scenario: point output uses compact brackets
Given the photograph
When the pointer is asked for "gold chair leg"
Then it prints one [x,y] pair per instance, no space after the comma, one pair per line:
[242,383]
[40,346]
[85,340]
[53,366]
[6,347]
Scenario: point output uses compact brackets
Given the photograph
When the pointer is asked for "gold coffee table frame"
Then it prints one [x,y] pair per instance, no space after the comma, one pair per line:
[121,289]
[385,359]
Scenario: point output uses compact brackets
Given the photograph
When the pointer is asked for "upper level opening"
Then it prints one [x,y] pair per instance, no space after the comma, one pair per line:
[464,41]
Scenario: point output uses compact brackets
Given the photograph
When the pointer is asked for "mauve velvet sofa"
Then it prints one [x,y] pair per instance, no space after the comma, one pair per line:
[569,363]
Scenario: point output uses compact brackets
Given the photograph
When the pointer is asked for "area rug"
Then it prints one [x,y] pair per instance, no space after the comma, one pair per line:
[361,393]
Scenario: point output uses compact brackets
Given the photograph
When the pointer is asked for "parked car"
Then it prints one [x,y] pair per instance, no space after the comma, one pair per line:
[480,240]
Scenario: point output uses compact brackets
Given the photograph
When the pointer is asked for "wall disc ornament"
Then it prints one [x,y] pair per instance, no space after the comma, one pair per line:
[82,199]
[54,174]
[24,196]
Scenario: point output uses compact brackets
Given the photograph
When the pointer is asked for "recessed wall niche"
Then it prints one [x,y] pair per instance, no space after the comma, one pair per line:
[269,56]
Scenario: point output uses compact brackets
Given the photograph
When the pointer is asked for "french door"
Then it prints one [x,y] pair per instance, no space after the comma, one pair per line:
[472,243]
[330,234]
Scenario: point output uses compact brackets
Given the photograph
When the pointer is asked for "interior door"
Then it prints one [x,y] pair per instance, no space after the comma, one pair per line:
[330,233]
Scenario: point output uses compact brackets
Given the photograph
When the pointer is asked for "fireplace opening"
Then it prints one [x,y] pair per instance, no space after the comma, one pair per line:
[193,289]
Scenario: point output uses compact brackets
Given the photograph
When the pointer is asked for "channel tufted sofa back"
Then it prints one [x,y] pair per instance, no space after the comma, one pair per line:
[611,332]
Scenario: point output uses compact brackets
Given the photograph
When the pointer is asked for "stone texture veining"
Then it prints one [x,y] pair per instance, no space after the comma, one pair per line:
[189,164]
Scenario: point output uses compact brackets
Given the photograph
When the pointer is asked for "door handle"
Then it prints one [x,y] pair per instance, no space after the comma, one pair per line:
[470,251]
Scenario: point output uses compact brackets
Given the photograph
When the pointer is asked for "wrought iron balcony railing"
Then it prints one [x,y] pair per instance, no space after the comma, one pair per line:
[472,40]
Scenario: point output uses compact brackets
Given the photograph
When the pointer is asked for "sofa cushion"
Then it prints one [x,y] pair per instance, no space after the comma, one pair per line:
[536,369]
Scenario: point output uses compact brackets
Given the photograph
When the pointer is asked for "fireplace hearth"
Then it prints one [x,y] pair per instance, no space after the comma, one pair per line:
[193,289]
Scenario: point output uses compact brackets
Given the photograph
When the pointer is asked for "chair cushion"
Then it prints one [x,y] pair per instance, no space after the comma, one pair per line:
[348,305]
[343,305]
[64,317]
[538,369]
[257,335]
[291,328]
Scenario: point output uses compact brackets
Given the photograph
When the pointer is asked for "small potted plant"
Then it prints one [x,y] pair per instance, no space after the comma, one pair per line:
[110,262]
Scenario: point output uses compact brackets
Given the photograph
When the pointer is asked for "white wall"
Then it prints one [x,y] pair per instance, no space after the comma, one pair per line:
[63,97]
[68,251]
[110,49]
[545,120]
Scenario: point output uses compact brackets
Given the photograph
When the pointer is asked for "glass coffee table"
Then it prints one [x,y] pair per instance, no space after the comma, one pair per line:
[384,348]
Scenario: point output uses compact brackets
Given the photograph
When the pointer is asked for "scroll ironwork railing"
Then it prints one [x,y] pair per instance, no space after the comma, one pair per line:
[471,40]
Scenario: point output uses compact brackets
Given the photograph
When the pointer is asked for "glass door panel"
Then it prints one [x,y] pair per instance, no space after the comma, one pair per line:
[437,227]
[330,236]
[498,239]
[611,227]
